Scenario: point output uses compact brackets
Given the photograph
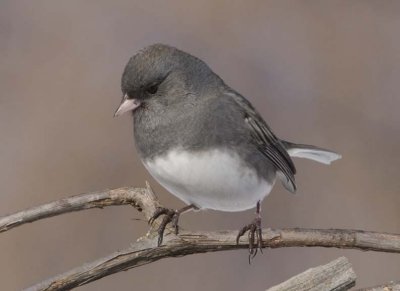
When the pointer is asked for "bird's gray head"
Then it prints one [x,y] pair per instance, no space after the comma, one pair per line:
[164,75]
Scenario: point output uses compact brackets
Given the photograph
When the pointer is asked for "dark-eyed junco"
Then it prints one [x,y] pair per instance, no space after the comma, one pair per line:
[203,141]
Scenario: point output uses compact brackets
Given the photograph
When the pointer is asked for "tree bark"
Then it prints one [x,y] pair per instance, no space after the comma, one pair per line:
[143,199]
[337,275]
[145,251]
[390,286]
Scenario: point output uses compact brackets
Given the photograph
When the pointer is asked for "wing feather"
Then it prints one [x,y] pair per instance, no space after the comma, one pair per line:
[269,145]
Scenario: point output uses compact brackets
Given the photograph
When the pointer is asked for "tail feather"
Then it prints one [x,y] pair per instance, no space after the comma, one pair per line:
[310,152]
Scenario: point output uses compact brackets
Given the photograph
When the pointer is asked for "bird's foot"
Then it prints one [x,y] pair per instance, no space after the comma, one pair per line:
[171,216]
[255,237]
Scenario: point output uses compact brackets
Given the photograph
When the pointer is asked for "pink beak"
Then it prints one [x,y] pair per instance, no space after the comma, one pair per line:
[127,105]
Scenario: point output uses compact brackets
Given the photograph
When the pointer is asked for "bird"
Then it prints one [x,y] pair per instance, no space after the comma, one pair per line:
[203,141]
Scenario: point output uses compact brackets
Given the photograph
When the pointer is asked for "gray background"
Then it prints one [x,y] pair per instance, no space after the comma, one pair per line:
[326,73]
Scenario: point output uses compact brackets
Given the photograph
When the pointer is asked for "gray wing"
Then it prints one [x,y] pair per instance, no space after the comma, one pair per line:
[269,145]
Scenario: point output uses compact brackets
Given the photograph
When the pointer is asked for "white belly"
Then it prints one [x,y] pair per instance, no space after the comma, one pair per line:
[216,179]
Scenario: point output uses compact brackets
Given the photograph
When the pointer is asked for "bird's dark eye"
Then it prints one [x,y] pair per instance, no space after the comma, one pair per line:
[152,89]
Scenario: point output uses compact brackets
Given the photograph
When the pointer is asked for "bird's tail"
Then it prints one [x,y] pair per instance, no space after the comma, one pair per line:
[310,152]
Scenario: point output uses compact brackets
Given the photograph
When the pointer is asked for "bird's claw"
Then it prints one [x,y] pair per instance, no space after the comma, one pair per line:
[171,216]
[255,237]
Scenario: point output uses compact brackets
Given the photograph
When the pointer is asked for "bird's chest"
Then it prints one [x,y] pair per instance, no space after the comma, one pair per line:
[194,125]
[213,179]
[157,132]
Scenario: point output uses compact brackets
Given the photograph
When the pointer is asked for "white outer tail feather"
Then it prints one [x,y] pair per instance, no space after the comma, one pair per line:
[312,153]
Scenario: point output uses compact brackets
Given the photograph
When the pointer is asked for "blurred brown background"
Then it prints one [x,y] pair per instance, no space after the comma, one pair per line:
[325,73]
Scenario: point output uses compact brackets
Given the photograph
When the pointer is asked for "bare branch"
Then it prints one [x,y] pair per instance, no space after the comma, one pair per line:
[140,198]
[337,275]
[144,251]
